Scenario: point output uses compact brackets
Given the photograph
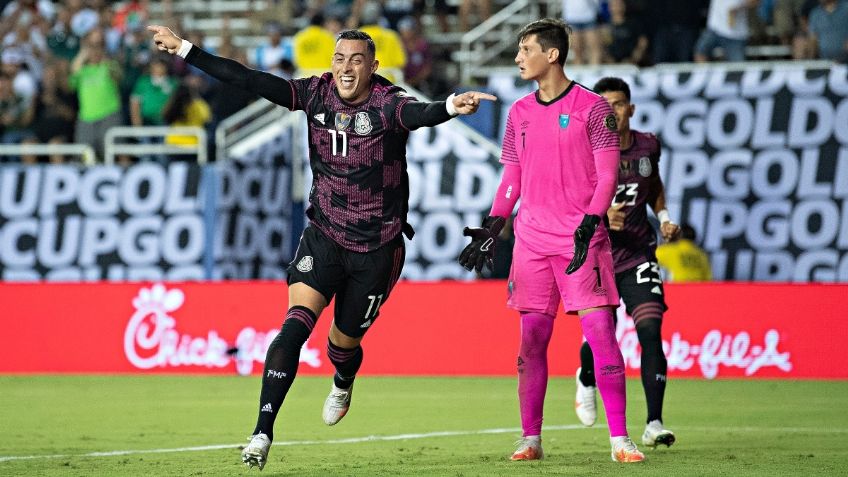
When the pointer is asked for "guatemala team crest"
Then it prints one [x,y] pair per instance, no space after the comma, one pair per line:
[645,168]
[362,124]
[342,121]
[563,121]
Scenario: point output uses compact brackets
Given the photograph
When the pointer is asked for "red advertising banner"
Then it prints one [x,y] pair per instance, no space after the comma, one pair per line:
[442,328]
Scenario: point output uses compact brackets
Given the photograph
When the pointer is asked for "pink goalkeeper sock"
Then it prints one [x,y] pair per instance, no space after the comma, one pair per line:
[599,330]
[536,330]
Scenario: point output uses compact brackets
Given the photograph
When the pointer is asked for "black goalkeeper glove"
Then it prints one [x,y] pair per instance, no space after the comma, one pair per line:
[582,236]
[482,247]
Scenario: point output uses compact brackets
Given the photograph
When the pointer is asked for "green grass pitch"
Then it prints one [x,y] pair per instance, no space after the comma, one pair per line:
[193,426]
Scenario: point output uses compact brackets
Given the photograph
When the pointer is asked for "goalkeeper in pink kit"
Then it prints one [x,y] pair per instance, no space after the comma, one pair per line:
[560,156]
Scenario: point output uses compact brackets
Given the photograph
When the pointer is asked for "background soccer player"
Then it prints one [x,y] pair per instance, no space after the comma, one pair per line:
[560,155]
[352,249]
[637,274]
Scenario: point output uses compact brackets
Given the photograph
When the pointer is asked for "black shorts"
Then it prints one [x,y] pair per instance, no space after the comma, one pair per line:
[641,284]
[360,282]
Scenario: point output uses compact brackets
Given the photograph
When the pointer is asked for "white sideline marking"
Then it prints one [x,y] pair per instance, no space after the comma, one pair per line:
[397,437]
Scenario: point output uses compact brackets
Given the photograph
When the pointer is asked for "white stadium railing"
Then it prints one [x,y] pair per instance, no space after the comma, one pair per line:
[84,151]
[115,148]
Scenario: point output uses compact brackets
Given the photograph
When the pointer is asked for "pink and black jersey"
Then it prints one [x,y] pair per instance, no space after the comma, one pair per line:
[637,170]
[357,154]
[554,143]
[360,189]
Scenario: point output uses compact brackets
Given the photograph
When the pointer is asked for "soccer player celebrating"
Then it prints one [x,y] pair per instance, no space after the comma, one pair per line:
[560,155]
[353,247]
[637,275]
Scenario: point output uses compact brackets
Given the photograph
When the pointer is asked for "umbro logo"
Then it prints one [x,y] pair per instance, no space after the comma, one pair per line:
[319,117]
[267,408]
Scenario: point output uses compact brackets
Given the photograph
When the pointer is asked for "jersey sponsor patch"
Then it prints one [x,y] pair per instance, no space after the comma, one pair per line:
[342,121]
[362,124]
[645,167]
[305,264]
[611,123]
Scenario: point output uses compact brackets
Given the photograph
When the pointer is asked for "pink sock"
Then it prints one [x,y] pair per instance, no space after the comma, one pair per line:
[536,330]
[599,330]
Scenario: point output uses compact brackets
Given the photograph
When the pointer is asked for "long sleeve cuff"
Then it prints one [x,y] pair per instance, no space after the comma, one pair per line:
[185,47]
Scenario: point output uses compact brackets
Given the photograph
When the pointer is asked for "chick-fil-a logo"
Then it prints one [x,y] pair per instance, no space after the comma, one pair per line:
[715,350]
[151,339]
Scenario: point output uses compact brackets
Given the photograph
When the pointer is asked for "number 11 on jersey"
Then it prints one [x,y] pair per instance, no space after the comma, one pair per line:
[339,142]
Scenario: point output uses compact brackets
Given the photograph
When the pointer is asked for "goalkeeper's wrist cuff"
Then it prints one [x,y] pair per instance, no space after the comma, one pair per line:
[494,224]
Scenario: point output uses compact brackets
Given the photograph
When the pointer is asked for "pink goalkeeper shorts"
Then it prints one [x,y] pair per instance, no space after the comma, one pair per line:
[537,283]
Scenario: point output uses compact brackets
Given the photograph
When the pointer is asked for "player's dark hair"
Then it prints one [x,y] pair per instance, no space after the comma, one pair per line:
[612,84]
[359,35]
[550,33]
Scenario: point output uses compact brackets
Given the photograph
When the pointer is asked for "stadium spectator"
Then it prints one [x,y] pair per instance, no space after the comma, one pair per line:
[675,27]
[16,113]
[55,109]
[390,51]
[683,260]
[273,49]
[791,26]
[637,276]
[628,37]
[96,79]
[12,64]
[419,65]
[353,248]
[186,108]
[829,30]
[150,94]
[313,46]
[62,42]
[562,249]
[482,8]
[727,29]
[585,38]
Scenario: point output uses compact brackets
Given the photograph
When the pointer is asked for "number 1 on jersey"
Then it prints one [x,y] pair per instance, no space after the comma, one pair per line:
[335,142]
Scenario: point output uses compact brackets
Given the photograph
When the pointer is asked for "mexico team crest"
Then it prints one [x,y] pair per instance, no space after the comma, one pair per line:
[305,264]
[342,121]
[645,168]
[362,124]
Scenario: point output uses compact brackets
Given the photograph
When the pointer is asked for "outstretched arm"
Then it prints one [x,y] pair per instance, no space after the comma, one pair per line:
[415,114]
[270,87]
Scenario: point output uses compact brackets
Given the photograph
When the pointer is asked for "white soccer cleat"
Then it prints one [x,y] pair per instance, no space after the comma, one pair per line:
[528,448]
[584,403]
[336,405]
[625,451]
[256,452]
[655,434]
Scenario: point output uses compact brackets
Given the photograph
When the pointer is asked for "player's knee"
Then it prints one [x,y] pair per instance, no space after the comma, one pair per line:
[649,332]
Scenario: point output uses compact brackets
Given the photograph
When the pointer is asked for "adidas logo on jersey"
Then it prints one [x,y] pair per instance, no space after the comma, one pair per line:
[656,290]
[267,408]
[319,117]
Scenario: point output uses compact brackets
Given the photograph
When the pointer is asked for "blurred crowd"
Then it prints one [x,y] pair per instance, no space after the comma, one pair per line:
[72,69]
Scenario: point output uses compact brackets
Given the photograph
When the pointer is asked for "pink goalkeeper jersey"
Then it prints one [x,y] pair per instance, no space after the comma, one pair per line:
[554,144]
